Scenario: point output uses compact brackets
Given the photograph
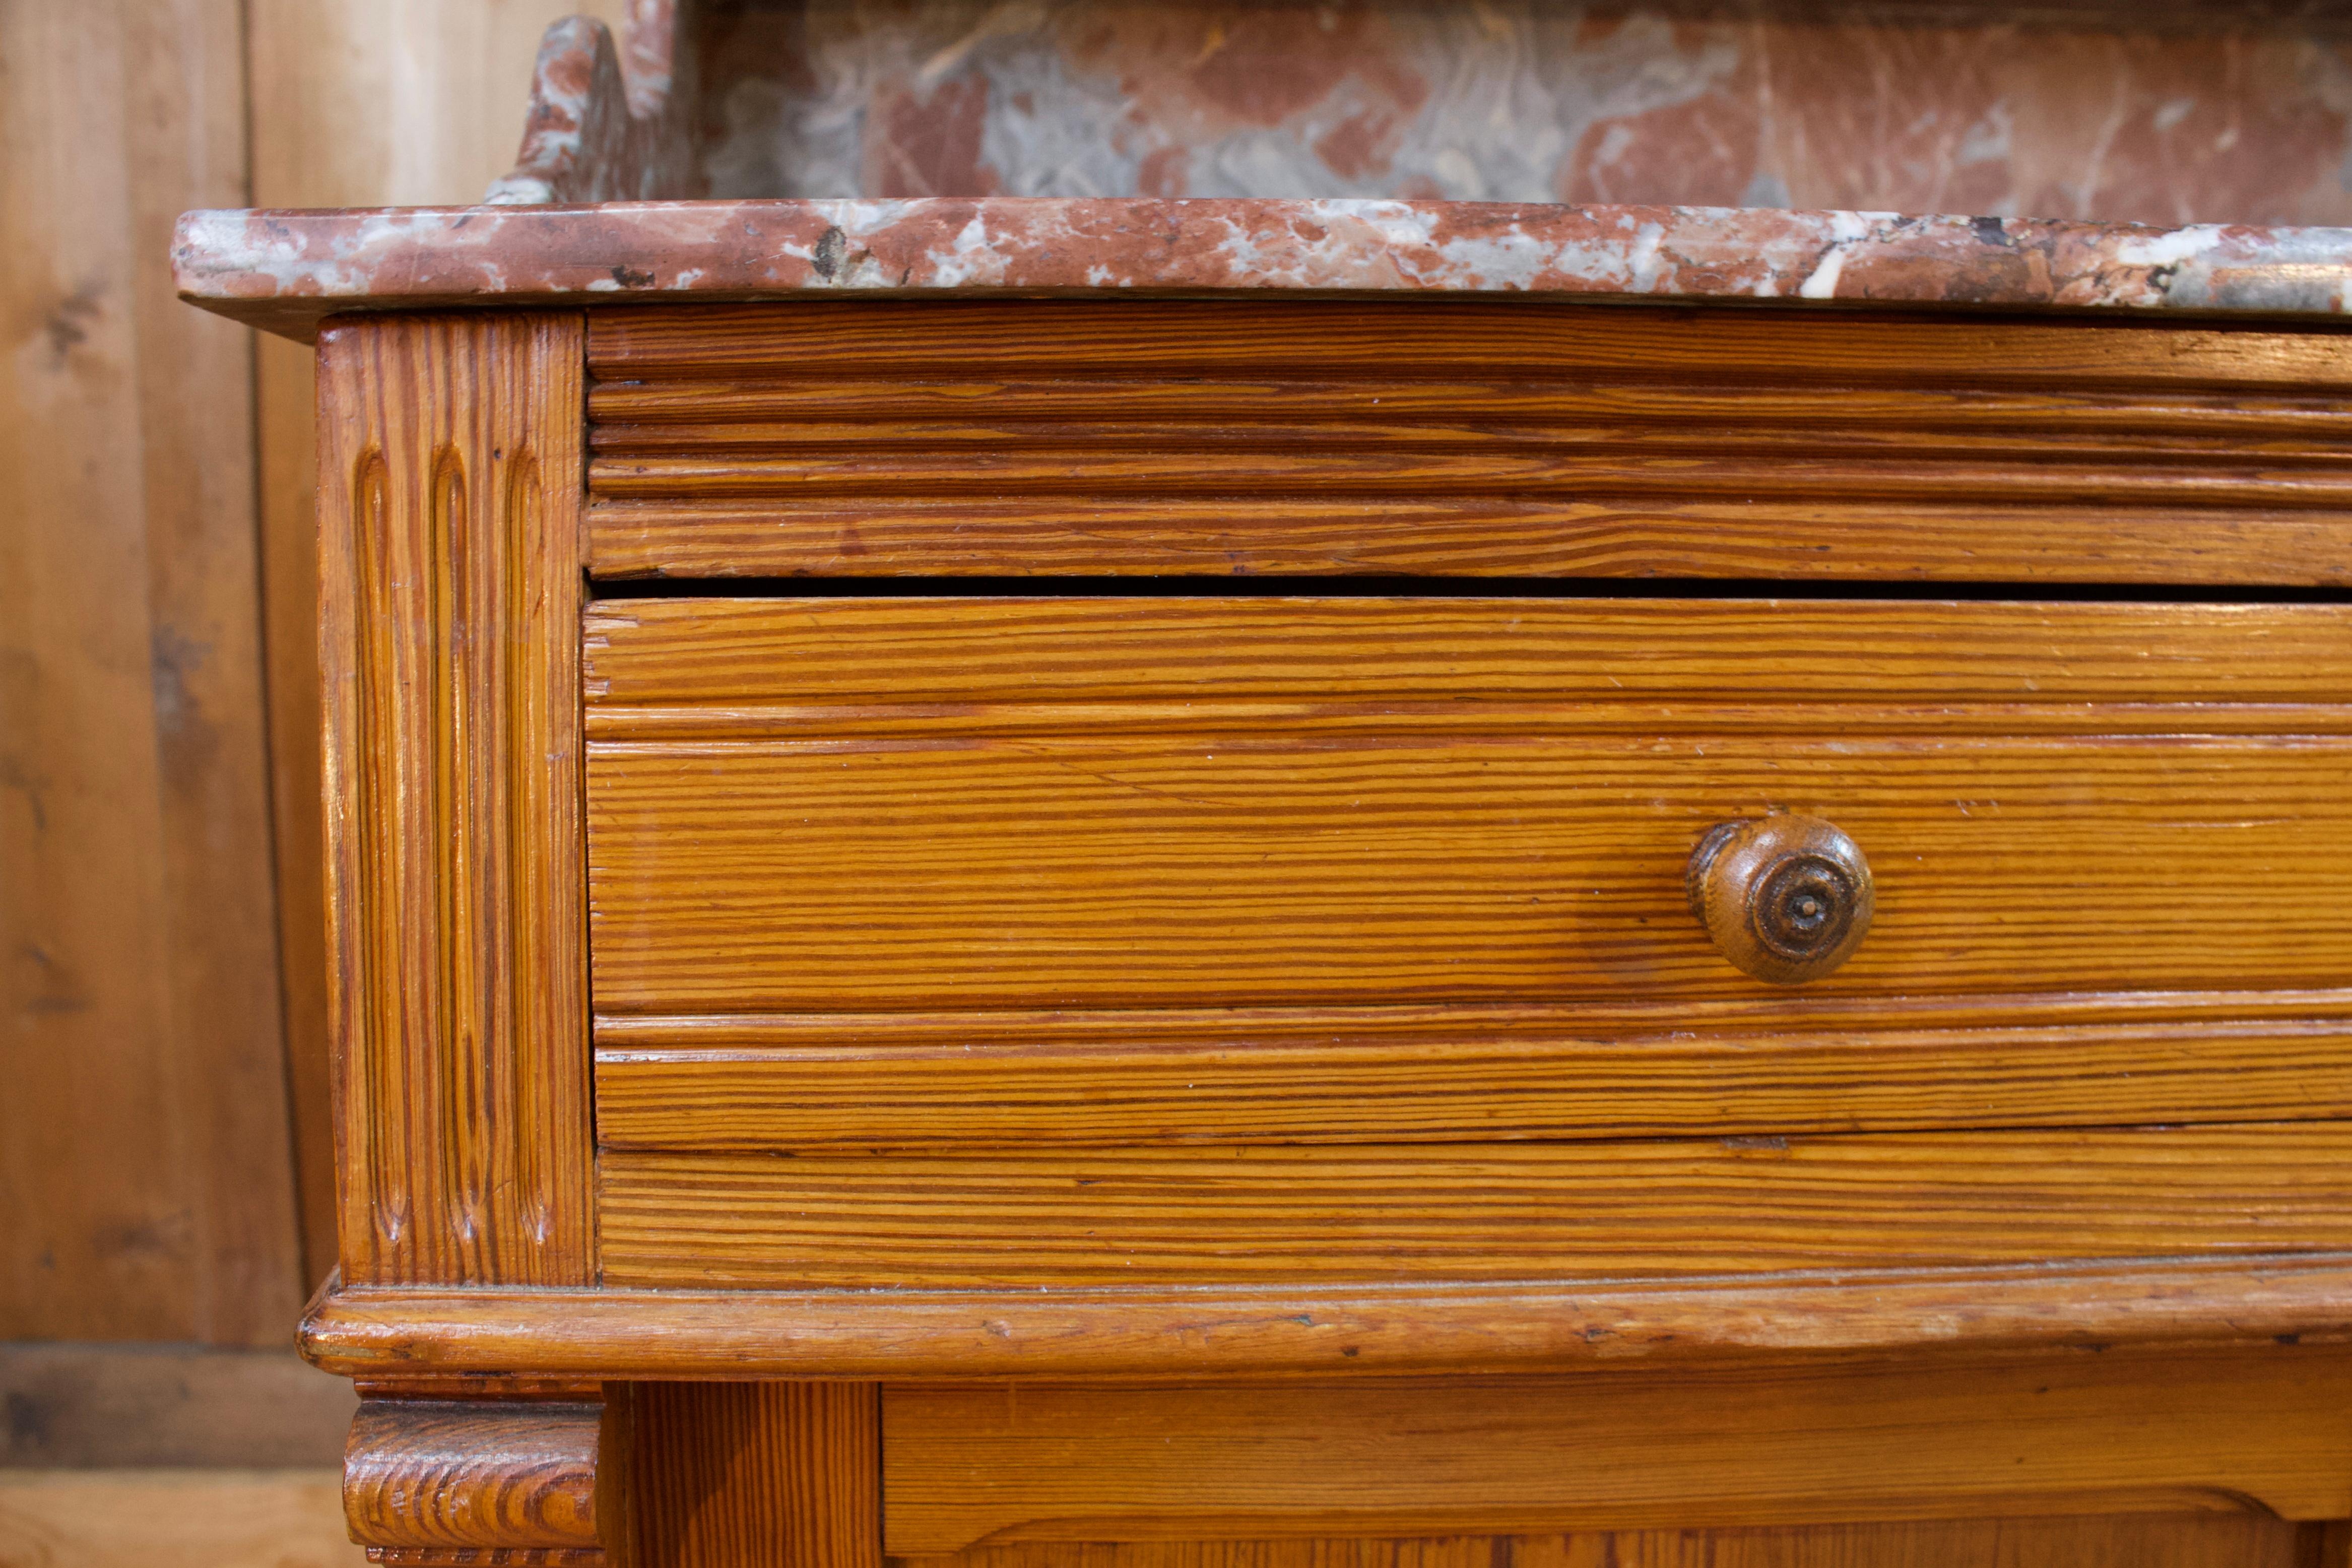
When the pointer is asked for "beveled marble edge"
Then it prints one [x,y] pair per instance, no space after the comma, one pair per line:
[284,271]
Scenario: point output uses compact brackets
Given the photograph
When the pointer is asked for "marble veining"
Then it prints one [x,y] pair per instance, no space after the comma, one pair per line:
[2112,114]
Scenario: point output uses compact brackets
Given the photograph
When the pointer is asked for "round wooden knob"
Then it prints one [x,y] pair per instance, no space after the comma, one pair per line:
[1785,898]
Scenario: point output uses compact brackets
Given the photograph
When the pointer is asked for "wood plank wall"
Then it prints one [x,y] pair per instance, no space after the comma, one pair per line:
[165,1162]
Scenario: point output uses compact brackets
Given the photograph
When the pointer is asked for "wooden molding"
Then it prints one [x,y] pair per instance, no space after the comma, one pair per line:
[374,1333]
[448,496]
[459,1482]
[1459,438]
[1434,1074]
[1217,1217]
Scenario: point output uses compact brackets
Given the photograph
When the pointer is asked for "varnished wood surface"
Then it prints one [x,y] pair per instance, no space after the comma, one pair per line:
[1255,867]
[446,1477]
[1785,898]
[835,804]
[783,1475]
[1118,1332]
[1210,1216]
[449,646]
[870,1080]
[1459,436]
[967,1464]
[1665,536]
[921,339]
[739,661]
[351,104]
[2091,1540]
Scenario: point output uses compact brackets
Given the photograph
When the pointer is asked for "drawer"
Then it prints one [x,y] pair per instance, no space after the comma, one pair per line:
[857,806]
[969,874]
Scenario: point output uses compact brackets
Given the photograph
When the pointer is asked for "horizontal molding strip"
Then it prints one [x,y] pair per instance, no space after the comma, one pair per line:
[1469,340]
[1359,1075]
[1112,432]
[675,410]
[1390,469]
[1351,1330]
[1475,651]
[721,721]
[1950,539]
[1213,1215]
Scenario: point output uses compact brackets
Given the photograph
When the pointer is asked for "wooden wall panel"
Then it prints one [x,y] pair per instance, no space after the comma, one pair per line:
[143,1145]
[354,103]
[449,641]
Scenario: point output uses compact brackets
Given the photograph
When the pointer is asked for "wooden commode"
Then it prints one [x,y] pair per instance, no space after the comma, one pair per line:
[1236,924]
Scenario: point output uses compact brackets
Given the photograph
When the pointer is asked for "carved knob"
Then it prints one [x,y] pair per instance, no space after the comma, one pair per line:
[1785,898]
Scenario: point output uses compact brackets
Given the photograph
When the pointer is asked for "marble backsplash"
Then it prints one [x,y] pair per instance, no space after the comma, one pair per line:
[2145,115]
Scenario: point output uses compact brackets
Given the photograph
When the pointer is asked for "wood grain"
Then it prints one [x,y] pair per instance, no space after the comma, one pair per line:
[353,104]
[2089,1541]
[785,1475]
[1251,1216]
[143,1155]
[1831,1441]
[1256,868]
[938,1080]
[448,639]
[167,1407]
[412,1332]
[1511,825]
[1661,536]
[747,656]
[1454,437]
[1486,339]
[187,1517]
[430,1481]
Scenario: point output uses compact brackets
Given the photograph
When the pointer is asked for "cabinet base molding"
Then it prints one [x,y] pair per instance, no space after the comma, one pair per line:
[655,1335]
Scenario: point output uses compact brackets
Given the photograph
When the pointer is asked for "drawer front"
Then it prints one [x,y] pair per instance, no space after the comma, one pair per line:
[1280,943]
[821,806]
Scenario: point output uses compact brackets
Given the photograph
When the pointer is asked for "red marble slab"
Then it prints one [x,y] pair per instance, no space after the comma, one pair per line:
[286,271]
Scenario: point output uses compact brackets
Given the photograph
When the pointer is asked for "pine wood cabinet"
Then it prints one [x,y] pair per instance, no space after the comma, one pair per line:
[965,928]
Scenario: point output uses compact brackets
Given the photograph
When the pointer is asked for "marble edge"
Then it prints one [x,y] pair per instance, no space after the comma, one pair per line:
[286,271]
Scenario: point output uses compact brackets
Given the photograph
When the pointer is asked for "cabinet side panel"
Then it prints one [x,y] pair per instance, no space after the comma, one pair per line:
[448,511]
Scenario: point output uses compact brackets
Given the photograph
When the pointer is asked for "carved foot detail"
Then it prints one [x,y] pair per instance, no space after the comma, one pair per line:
[489,1483]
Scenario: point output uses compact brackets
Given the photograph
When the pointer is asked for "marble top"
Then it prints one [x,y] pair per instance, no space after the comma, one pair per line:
[284,271]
